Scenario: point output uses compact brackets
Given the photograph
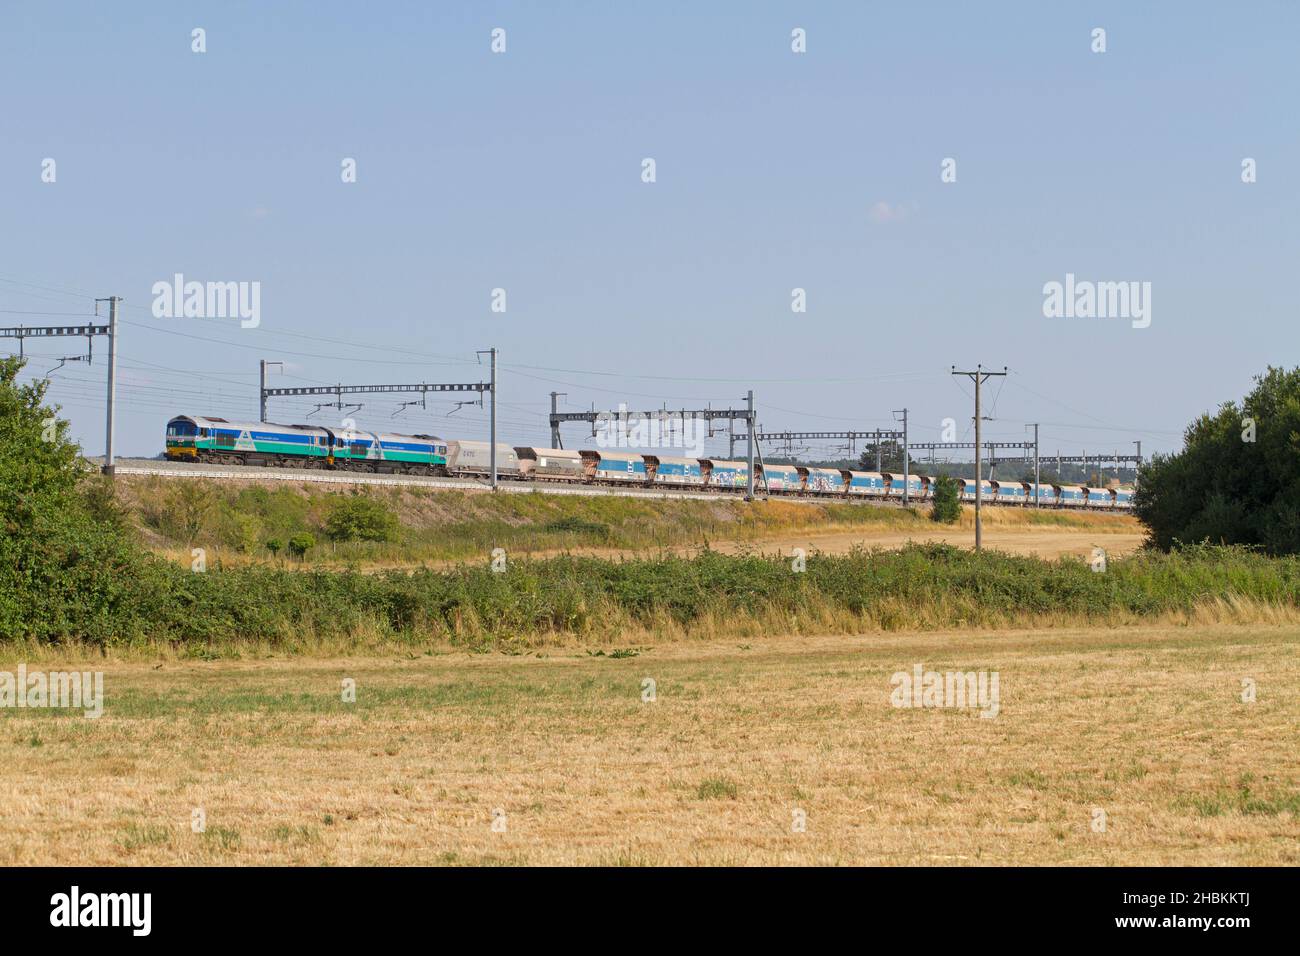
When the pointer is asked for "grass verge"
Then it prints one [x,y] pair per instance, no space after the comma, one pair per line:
[533,603]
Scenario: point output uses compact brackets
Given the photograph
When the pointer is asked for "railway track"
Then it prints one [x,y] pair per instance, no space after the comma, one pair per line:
[177,469]
[162,468]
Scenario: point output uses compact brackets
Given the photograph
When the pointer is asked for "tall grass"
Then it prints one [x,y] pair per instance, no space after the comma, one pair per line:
[711,594]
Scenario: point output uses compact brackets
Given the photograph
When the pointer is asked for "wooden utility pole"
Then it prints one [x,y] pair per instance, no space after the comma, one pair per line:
[979,376]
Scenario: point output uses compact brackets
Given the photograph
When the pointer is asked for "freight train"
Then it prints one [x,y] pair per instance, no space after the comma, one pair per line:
[219,441]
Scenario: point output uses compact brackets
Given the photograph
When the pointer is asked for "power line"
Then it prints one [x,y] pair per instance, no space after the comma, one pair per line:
[79,315]
[22,287]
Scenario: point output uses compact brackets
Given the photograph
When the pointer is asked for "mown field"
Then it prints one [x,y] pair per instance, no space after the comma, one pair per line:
[1146,725]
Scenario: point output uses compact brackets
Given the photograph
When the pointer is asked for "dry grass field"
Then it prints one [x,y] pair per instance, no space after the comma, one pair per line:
[1145,724]
[1011,530]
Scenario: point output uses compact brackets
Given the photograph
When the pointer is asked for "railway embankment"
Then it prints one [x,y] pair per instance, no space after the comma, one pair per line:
[252,522]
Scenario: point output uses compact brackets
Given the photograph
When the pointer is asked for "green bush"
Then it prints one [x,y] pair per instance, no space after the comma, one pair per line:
[360,518]
[245,533]
[67,566]
[947,501]
[572,524]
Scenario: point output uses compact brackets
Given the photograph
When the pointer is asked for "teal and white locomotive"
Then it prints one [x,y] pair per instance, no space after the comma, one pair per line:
[222,442]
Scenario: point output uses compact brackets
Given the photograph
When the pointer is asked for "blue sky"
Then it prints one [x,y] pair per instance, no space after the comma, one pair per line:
[775,170]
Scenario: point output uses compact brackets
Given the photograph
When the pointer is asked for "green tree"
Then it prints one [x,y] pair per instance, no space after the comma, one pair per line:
[65,560]
[274,545]
[891,458]
[300,544]
[947,503]
[1237,478]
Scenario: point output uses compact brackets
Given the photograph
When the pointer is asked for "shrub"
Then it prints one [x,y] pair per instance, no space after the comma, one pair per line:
[192,504]
[918,586]
[890,589]
[947,502]
[67,566]
[572,524]
[360,518]
[246,532]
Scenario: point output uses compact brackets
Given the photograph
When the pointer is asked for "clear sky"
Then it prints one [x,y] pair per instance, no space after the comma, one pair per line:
[775,170]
